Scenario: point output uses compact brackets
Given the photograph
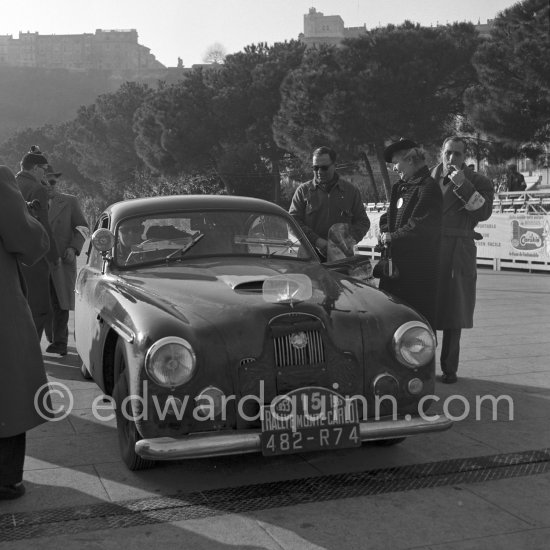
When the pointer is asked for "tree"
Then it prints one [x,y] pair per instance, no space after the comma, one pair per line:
[392,82]
[52,142]
[512,100]
[102,139]
[176,128]
[214,118]
[247,99]
[215,54]
[148,185]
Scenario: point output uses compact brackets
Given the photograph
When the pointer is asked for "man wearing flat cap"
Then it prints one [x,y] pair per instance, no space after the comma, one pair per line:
[37,277]
[467,200]
[412,227]
[69,230]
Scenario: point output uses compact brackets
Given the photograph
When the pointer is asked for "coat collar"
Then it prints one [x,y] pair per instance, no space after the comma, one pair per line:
[57,205]
[418,177]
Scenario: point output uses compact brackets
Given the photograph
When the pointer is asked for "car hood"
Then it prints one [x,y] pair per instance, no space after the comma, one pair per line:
[217,289]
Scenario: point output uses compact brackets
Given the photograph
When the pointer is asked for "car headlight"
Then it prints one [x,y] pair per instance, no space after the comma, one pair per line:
[170,362]
[414,344]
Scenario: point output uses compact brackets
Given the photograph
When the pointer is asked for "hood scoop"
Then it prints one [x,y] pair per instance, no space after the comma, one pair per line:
[254,287]
[244,284]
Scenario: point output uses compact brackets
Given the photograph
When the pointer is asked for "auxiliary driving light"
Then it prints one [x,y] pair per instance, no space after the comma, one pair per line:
[415,386]
[209,402]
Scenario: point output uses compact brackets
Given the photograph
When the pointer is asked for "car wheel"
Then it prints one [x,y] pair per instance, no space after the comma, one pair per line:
[126,427]
[84,372]
[389,442]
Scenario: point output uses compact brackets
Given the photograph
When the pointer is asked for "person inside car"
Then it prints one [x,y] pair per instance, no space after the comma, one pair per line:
[129,235]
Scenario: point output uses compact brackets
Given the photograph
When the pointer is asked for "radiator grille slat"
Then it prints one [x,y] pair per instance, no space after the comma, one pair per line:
[287,355]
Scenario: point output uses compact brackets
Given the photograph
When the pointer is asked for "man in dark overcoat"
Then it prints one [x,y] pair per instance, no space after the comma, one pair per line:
[412,227]
[467,200]
[37,277]
[22,239]
[69,228]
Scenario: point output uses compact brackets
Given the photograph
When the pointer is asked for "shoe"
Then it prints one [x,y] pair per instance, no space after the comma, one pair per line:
[449,378]
[60,349]
[10,492]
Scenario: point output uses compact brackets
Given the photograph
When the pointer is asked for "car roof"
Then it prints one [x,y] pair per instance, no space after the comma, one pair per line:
[136,207]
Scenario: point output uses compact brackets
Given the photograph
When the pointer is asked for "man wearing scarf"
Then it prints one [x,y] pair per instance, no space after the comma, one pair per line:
[412,226]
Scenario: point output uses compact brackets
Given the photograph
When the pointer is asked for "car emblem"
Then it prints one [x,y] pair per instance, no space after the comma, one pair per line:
[298,340]
[282,406]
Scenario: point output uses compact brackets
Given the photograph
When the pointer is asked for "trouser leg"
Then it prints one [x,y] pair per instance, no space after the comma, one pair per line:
[59,320]
[12,459]
[450,350]
[40,320]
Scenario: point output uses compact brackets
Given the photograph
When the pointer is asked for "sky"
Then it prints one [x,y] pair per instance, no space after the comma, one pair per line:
[187,28]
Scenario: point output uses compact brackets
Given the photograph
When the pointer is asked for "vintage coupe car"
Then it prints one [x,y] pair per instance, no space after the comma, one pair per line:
[216,329]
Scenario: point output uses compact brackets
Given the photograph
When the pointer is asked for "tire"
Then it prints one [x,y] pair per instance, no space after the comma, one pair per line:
[126,427]
[389,442]
[85,372]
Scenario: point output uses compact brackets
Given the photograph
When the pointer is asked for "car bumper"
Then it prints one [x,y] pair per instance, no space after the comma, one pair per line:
[208,444]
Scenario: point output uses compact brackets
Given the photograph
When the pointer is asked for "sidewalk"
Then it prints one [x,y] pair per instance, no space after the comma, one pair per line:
[80,495]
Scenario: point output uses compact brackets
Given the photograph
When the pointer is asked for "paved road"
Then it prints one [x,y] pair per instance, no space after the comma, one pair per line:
[484,484]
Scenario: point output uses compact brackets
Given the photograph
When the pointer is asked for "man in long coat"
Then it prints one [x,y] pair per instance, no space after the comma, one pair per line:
[467,200]
[33,168]
[22,239]
[69,227]
[412,226]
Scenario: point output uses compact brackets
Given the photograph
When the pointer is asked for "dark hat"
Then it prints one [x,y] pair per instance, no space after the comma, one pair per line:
[50,174]
[400,145]
[34,157]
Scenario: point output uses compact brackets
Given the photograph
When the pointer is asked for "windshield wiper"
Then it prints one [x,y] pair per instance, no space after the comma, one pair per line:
[181,251]
[287,246]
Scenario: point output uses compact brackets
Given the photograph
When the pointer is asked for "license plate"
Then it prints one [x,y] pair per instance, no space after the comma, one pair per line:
[309,419]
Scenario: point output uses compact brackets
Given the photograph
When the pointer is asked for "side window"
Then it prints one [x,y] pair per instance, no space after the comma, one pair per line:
[95,259]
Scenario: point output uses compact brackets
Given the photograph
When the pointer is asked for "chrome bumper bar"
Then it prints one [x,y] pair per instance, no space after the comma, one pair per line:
[208,444]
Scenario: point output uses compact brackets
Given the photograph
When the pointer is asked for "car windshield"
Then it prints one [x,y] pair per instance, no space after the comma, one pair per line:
[178,236]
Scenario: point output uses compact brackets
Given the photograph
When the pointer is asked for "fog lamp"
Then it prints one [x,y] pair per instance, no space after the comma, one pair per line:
[209,402]
[415,386]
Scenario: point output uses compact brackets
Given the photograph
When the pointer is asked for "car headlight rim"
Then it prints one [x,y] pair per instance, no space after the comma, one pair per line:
[159,371]
[425,337]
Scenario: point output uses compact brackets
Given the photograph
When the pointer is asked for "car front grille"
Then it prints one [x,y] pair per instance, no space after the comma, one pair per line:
[288,354]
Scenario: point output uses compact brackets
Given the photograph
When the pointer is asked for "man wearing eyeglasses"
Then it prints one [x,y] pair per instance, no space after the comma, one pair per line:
[328,199]
[37,278]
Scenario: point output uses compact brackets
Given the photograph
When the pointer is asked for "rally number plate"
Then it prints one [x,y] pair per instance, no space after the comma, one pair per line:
[309,419]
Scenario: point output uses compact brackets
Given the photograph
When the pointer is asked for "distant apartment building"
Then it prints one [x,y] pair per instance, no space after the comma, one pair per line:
[112,50]
[329,29]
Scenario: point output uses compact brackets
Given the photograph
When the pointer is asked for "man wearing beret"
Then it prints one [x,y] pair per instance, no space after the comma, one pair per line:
[37,277]
[326,200]
[412,227]
[467,200]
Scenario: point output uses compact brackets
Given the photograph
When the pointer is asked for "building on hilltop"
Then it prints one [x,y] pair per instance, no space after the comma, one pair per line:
[329,29]
[326,29]
[112,50]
